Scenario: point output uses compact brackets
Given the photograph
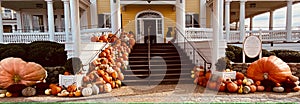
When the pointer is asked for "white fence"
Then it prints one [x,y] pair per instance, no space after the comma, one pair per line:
[234,36]
[59,37]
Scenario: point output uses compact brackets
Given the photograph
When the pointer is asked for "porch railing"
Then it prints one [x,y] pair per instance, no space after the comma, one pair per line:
[202,34]
[59,37]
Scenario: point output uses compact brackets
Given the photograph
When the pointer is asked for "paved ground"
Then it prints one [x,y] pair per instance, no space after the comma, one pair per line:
[166,93]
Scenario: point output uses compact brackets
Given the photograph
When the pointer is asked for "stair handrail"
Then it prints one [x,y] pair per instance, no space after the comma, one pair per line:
[194,49]
[100,49]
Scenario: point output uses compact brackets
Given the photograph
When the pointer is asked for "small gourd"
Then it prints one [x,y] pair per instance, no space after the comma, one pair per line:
[253,88]
[8,94]
[246,89]
[48,91]
[77,93]
[29,91]
[296,89]
[2,95]
[260,88]
[278,89]
[95,89]
[107,87]
[87,91]
[240,89]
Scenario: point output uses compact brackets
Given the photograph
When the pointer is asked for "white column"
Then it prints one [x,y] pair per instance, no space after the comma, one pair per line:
[227,18]
[75,27]
[115,15]
[202,13]
[93,9]
[180,18]
[30,22]
[221,15]
[242,19]
[50,19]
[45,22]
[251,23]
[289,20]
[216,34]
[236,25]
[1,24]
[13,29]
[67,18]
[58,25]
[19,22]
[271,21]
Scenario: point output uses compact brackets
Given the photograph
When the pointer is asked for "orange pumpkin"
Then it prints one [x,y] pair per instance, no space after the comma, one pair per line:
[239,75]
[208,75]
[94,38]
[17,71]
[272,68]
[232,87]
[222,87]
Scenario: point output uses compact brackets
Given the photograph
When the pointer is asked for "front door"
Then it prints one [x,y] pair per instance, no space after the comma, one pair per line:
[150,31]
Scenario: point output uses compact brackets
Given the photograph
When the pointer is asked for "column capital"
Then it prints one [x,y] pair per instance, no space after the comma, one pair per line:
[228,1]
[243,1]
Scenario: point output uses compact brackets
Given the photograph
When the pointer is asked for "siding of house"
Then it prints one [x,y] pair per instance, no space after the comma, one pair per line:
[103,6]
[130,12]
[192,6]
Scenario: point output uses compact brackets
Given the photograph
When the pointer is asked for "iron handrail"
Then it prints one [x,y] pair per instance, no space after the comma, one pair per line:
[194,49]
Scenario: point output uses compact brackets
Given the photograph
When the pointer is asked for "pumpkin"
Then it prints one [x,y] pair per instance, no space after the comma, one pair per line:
[88,91]
[103,38]
[252,88]
[232,87]
[118,82]
[277,84]
[260,88]
[257,83]
[222,87]
[278,89]
[17,71]
[239,82]
[95,89]
[239,75]
[102,55]
[94,38]
[29,91]
[114,75]
[272,68]
[297,88]
[72,88]
[107,87]
[208,75]
[2,95]
[212,85]
[77,93]
[55,90]
[48,91]
[8,94]
[120,76]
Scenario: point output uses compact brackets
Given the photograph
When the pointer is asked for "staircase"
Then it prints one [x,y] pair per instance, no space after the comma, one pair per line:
[168,65]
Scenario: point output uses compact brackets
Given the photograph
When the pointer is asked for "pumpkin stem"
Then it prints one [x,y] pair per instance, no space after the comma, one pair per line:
[17,78]
[266,75]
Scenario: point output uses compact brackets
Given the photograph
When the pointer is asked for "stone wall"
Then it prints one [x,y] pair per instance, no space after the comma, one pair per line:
[240,67]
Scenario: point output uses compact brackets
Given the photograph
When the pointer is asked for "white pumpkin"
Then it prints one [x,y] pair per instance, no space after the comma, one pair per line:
[95,89]
[88,91]
[107,87]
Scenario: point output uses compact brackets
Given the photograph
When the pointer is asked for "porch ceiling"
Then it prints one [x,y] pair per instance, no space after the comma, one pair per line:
[30,4]
[254,8]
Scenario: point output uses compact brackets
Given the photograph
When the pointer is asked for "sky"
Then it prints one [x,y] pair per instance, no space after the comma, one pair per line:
[279,19]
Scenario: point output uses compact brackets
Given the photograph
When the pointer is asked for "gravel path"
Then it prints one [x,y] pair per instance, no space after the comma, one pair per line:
[166,93]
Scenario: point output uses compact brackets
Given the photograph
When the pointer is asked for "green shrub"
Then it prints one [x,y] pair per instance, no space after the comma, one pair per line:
[13,51]
[223,63]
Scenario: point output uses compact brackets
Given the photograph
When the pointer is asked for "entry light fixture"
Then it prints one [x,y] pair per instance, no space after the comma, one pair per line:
[149,1]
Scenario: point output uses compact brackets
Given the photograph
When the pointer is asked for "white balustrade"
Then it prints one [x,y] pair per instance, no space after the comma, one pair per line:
[88,33]
[198,34]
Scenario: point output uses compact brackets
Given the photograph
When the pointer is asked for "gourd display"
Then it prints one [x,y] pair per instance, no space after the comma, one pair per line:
[17,71]
[272,68]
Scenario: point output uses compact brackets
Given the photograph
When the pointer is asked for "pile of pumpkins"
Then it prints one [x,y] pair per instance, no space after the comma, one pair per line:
[256,79]
[104,38]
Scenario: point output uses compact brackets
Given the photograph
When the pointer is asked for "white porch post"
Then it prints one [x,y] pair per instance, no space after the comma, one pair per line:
[67,18]
[251,23]
[50,19]
[1,24]
[93,9]
[180,18]
[115,15]
[289,20]
[202,13]
[227,18]
[242,20]
[13,29]
[221,15]
[271,21]
[75,27]
[216,31]
[19,22]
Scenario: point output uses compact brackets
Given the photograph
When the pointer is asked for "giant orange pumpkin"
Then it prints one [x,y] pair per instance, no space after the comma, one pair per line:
[17,71]
[272,68]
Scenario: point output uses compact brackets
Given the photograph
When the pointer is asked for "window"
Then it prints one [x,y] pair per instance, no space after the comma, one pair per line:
[159,23]
[104,21]
[191,20]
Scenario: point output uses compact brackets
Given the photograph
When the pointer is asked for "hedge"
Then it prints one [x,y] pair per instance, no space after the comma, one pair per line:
[234,53]
[46,53]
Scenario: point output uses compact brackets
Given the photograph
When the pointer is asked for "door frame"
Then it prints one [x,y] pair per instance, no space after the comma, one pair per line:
[140,25]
